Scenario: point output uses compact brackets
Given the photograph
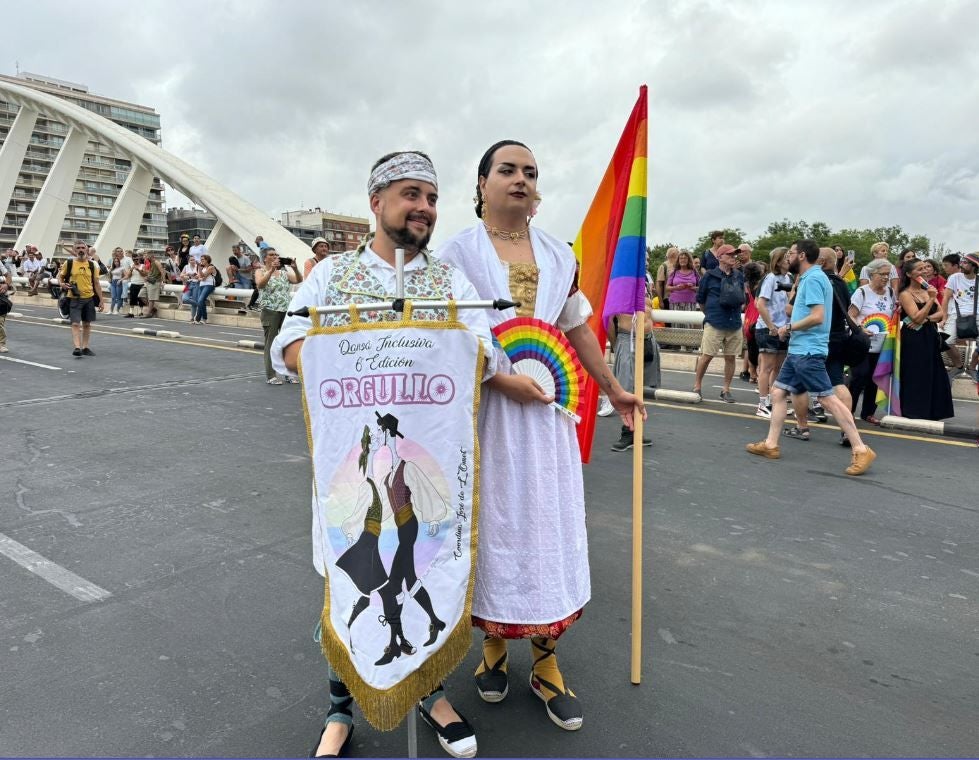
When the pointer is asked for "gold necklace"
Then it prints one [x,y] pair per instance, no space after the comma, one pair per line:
[513,237]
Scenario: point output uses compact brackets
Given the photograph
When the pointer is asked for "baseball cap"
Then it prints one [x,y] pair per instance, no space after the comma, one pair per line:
[317,241]
[726,248]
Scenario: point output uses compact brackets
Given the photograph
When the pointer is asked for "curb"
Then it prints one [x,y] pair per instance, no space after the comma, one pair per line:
[251,344]
[949,429]
[157,333]
[681,397]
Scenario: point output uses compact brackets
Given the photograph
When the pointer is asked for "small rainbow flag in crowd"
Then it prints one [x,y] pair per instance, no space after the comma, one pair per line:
[611,247]
[851,281]
[887,374]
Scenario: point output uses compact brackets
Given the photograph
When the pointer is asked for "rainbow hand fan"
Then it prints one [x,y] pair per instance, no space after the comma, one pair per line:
[879,321]
[540,351]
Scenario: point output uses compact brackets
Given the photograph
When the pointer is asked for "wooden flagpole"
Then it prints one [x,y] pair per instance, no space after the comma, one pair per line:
[640,332]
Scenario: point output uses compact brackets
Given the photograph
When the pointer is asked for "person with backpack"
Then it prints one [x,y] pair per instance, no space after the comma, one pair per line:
[720,296]
[79,281]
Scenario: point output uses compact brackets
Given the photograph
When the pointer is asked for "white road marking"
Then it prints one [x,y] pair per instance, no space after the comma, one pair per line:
[24,361]
[56,575]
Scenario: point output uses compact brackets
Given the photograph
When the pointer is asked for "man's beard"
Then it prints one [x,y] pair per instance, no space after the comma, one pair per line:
[794,267]
[402,236]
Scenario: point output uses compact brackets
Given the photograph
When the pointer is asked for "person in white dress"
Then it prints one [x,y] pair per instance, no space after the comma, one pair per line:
[532,577]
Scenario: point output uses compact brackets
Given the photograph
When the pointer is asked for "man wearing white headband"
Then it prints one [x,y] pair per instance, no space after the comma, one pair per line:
[403,191]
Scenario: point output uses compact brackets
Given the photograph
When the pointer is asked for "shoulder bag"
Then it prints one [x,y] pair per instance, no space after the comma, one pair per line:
[856,344]
[966,326]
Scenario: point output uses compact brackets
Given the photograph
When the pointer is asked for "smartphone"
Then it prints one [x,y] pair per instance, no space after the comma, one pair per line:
[851,255]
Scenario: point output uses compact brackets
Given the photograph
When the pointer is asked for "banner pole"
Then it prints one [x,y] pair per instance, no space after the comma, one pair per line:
[399,293]
[637,421]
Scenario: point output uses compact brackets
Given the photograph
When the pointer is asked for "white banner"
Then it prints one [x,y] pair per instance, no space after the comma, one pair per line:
[391,416]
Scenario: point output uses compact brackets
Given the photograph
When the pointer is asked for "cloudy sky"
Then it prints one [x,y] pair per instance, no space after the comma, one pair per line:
[855,114]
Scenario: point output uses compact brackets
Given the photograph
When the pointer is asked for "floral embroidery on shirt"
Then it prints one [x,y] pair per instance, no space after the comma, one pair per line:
[351,282]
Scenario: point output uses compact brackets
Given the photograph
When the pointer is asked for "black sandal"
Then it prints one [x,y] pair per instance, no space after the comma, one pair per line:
[563,707]
[493,684]
[800,434]
[342,752]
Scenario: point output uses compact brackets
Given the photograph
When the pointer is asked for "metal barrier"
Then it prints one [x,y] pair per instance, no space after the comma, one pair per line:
[241,296]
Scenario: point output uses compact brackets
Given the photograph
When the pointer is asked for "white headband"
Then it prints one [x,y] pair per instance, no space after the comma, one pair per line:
[402,166]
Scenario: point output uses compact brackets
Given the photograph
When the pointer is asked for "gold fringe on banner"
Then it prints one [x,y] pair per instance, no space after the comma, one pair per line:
[385,709]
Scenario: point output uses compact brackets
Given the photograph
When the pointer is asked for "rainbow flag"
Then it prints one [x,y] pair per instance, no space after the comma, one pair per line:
[851,281]
[887,374]
[611,247]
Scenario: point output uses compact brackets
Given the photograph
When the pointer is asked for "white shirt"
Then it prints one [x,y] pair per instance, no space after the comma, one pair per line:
[310,294]
[777,300]
[196,251]
[868,302]
[963,293]
[188,273]
[31,265]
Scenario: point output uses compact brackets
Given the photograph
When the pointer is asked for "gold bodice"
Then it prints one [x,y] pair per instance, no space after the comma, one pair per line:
[523,286]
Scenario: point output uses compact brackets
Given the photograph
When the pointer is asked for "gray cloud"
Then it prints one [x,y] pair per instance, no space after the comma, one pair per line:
[854,115]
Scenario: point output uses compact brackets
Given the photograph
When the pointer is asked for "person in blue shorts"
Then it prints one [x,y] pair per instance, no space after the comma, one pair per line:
[804,369]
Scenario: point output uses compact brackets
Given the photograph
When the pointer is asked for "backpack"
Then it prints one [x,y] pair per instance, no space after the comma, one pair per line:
[731,294]
[95,279]
[217,278]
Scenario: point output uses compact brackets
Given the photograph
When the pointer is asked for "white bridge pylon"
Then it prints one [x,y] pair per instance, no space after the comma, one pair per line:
[237,219]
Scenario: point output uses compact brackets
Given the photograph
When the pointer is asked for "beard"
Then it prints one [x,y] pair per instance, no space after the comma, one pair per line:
[405,238]
[794,266]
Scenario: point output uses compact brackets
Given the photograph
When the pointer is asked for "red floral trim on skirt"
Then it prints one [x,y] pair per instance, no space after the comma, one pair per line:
[526,630]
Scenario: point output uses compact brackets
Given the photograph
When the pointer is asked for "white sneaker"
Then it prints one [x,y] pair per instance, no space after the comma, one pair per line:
[605,408]
[763,411]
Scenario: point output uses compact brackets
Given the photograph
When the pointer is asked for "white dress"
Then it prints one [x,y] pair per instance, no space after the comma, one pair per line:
[532,561]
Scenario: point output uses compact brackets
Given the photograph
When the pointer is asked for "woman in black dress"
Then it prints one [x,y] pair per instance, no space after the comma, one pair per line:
[926,391]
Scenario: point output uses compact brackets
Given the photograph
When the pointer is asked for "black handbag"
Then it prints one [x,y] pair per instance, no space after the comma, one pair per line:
[965,326]
[856,344]
[5,304]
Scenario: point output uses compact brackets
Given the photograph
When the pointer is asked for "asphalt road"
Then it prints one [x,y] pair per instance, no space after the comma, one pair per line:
[788,609]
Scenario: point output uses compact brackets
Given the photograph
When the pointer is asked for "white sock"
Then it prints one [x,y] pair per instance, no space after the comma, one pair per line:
[763,401]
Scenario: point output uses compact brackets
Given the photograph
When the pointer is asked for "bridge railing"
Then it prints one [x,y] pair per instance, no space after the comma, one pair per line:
[241,296]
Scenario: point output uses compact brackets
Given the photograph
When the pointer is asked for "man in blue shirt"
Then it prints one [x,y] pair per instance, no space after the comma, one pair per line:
[721,296]
[805,366]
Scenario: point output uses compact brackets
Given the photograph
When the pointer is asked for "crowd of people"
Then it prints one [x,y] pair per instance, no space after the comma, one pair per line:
[749,307]
[136,280]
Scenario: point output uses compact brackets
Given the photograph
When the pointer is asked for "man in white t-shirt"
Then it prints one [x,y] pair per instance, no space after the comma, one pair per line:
[959,301]
[32,269]
[880,251]
[198,249]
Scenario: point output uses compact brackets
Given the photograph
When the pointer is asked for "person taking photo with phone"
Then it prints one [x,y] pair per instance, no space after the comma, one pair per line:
[274,283]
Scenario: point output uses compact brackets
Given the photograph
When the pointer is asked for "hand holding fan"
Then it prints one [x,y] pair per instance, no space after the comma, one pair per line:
[542,352]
